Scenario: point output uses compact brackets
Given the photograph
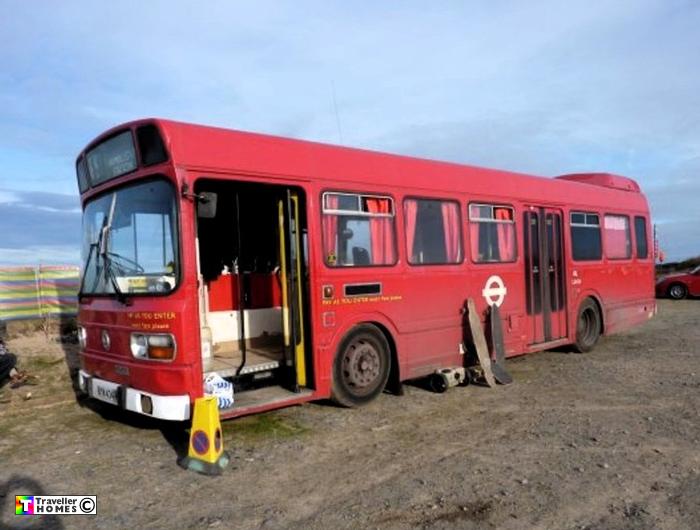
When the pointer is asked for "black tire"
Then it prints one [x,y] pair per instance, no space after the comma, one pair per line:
[677,291]
[361,367]
[589,325]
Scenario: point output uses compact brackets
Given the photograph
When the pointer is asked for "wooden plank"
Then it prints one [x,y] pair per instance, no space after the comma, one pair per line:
[498,364]
[482,350]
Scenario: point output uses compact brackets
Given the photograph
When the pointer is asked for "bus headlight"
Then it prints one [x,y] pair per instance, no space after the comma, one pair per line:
[82,337]
[157,346]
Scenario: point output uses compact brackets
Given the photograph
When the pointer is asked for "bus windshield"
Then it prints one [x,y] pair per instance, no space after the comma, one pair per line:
[130,241]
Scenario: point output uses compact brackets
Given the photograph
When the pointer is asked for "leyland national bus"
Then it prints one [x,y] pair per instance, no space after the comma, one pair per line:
[300,271]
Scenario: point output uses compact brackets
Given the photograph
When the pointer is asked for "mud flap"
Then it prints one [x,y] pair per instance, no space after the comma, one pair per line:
[498,365]
[482,351]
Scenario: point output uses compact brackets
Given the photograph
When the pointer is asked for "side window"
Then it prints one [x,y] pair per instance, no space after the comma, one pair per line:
[433,233]
[618,240]
[585,236]
[640,232]
[492,233]
[358,230]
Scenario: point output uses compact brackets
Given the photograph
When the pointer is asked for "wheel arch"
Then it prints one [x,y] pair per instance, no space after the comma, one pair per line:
[595,296]
[394,382]
[384,326]
[673,283]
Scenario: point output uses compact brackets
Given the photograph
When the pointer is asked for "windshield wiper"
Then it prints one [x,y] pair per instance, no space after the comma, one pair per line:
[118,293]
[94,245]
[103,244]
[81,292]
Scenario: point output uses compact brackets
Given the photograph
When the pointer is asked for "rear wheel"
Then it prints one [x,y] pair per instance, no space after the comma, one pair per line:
[588,326]
[677,291]
[361,367]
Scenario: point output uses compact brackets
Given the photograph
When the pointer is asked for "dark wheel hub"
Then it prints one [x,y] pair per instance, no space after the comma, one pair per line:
[588,326]
[361,365]
[677,291]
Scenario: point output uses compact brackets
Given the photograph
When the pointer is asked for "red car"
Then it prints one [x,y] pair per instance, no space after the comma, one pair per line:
[679,285]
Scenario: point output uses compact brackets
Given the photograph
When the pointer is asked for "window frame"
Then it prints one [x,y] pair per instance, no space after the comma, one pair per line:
[177,241]
[103,141]
[636,238]
[629,240]
[513,221]
[461,232]
[585,224]
[358,213]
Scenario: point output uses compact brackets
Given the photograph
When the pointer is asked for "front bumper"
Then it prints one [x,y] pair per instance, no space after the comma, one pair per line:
[174,408]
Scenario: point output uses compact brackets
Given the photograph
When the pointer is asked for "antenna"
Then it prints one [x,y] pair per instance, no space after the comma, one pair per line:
[337,116]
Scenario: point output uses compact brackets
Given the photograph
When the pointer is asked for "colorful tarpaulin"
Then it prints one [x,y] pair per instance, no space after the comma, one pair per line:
[38,292]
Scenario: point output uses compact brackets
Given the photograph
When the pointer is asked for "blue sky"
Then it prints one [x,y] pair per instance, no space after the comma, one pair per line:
[545,87]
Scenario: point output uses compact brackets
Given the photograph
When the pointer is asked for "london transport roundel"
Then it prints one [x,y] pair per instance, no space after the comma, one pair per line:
[494,292]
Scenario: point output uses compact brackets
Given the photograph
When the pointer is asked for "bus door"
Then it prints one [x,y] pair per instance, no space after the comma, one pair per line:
[544,274]
[293,288]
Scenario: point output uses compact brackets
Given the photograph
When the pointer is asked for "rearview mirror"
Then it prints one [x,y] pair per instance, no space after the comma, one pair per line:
[206,204]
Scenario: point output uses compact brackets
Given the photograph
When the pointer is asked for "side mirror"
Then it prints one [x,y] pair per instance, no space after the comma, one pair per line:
[206,204]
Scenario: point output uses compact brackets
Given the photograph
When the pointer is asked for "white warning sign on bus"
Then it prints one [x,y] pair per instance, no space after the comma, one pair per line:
[495,291]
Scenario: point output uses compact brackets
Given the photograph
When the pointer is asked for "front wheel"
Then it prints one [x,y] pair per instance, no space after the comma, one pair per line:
[361,367]
[677,291]
[588,326]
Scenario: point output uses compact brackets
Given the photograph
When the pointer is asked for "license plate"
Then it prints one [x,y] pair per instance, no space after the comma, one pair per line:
[105,391]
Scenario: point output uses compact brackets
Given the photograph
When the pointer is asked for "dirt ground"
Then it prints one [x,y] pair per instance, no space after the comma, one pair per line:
[605,440]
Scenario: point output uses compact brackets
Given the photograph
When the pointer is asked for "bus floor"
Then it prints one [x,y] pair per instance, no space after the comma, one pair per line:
[227,358]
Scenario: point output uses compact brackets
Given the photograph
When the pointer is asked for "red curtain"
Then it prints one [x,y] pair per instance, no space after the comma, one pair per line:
[381,232]
[450,223]
[474,241]
[506,233]
[330,231]
[410,211]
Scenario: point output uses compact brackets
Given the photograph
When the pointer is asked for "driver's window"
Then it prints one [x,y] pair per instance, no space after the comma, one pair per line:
[153,242]
[122,237]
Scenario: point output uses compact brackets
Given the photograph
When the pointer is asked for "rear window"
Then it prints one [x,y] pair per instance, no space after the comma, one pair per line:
[618,240]
[640,232]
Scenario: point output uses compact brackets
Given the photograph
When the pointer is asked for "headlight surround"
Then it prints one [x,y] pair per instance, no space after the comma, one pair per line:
[82,337]
[153,346]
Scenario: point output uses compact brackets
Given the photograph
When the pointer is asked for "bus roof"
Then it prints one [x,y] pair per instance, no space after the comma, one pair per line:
[216,149]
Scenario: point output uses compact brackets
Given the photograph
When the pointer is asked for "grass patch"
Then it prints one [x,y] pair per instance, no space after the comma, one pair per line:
[269,425]
[41,362]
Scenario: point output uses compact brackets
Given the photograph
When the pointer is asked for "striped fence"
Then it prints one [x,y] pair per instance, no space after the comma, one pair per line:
[38,292]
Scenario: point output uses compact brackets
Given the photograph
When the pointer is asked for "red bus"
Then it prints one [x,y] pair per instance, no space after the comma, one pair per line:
[300,271]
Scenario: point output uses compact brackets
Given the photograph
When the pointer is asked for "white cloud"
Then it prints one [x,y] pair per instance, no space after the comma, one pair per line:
[7,197]
[36,255]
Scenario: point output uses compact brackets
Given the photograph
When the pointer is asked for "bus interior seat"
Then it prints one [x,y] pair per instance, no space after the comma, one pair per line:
[360,256]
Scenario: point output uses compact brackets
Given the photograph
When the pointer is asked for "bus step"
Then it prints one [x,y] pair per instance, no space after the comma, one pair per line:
[260,368]
[230,369]
[265,396]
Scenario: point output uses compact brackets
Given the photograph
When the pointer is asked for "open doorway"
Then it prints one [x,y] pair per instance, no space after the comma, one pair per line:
[252,266]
